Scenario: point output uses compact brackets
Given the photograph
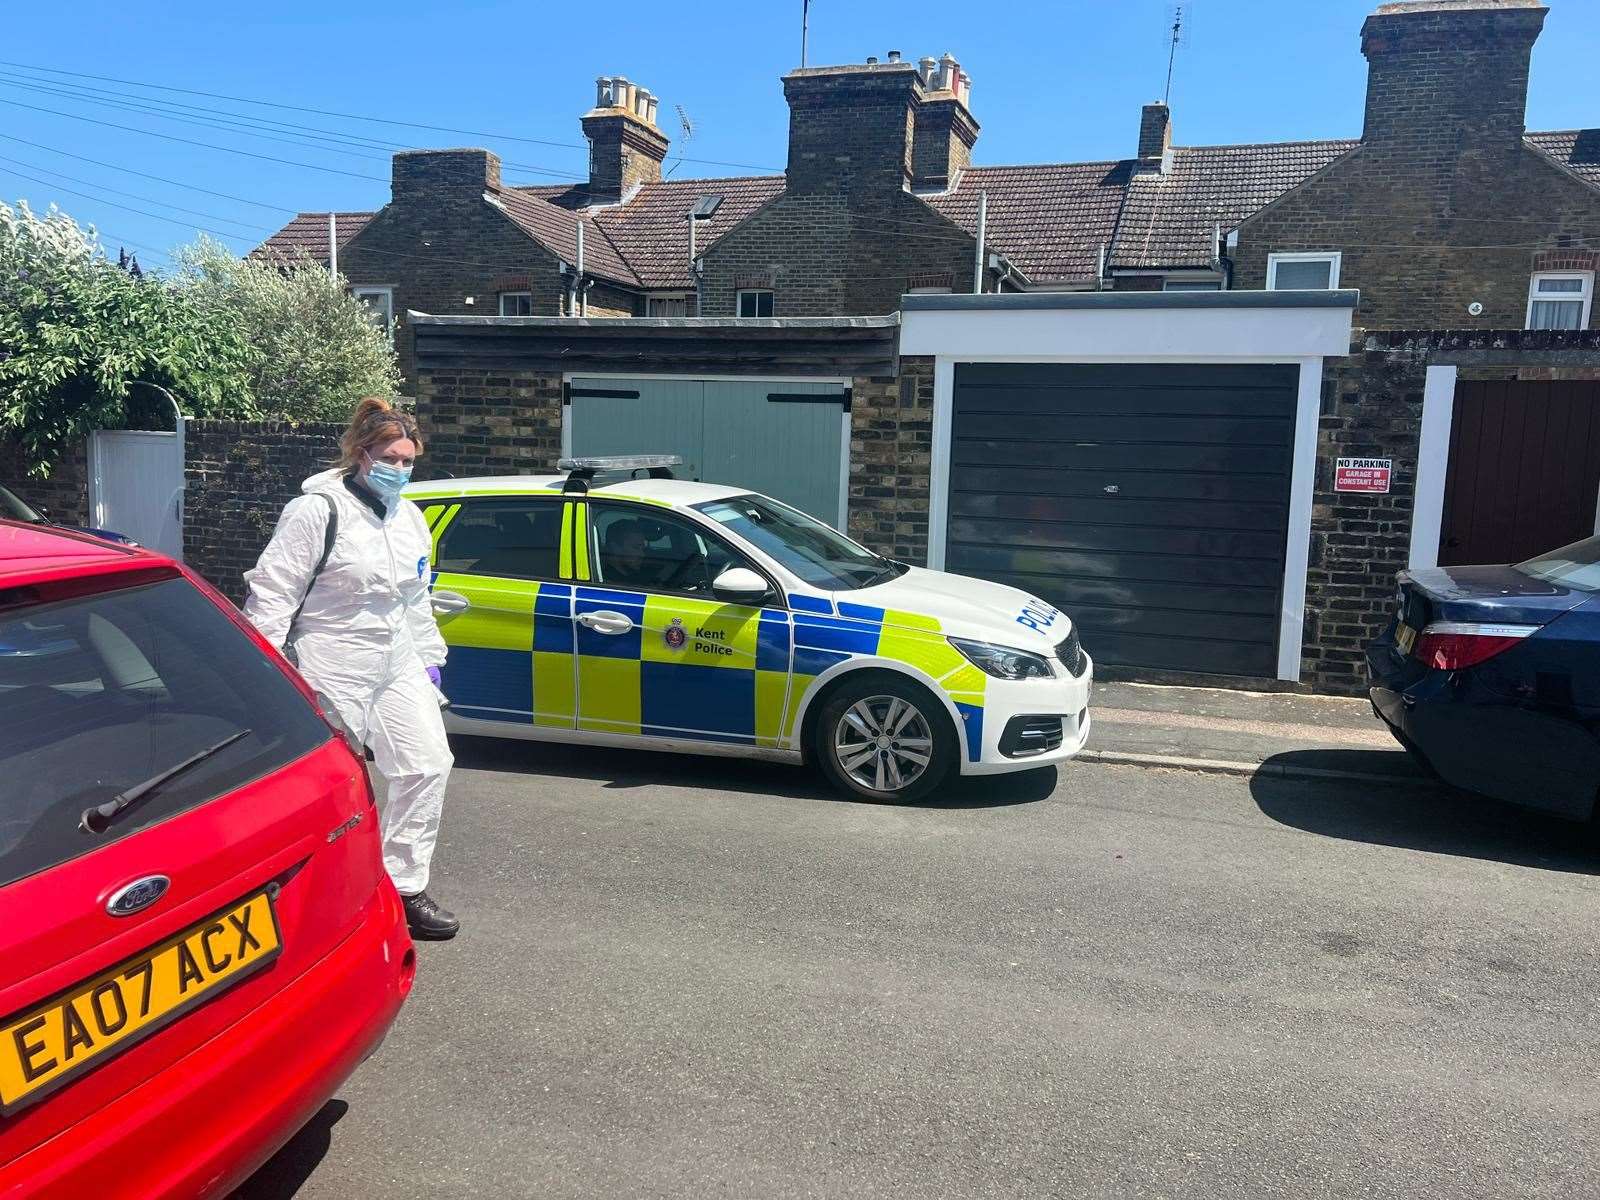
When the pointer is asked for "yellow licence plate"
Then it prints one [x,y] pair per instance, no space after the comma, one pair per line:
[1404,637]
[43,1048]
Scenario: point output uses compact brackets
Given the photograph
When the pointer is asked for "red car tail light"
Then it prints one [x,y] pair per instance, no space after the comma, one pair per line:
[1453,645]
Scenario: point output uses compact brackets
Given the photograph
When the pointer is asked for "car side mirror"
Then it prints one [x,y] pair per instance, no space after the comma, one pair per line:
[740,585]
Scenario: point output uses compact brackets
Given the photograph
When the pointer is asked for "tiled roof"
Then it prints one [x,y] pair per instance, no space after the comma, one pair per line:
[309,232]
[1050,220]
[1576,149]
[651,232]
[1170,218]
[556,229]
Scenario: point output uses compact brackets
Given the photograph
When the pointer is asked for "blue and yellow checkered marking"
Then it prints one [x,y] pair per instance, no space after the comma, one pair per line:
[511,652]
[821,642]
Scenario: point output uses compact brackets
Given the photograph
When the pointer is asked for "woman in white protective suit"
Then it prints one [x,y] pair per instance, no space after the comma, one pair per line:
[363,634]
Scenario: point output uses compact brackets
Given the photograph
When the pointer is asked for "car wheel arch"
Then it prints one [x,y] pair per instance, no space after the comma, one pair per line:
[841,674]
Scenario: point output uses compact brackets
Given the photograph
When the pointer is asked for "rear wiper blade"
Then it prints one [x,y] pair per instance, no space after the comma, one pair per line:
[98,819]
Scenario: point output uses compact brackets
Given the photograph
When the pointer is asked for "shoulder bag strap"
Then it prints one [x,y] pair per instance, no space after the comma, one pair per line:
[330,534]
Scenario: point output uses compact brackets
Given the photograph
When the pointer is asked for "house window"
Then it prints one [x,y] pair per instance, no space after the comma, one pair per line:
[1191,285]
[755,303]
[1560,299]
[668,306]
[379,302]
[1317,272]
[516,304]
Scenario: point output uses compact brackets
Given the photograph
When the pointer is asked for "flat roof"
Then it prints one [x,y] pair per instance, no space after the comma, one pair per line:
[1101,301]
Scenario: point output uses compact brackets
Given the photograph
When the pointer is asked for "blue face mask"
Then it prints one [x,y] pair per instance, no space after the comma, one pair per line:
[386,481]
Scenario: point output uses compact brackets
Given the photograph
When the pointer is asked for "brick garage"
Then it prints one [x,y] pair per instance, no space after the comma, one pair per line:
[1379,403]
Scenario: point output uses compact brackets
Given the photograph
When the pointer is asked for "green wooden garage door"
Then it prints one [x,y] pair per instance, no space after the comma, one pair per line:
[780,438]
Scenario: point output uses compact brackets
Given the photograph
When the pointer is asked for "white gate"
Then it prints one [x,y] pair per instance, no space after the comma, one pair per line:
[136,486]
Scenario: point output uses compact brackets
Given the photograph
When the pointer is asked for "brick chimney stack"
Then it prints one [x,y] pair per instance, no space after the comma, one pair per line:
[1447,72]
[850,127]
[625,147]
[426,174]
[1155,131]
[944,127]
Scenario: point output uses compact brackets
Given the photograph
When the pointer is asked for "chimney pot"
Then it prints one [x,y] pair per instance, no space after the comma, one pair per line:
[926,66]
[872,60]
[894,56]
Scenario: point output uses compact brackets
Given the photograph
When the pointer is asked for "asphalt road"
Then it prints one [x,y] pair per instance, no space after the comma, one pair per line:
[687,977]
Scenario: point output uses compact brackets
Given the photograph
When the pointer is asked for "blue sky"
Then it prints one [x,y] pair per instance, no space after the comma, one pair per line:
[1057,81]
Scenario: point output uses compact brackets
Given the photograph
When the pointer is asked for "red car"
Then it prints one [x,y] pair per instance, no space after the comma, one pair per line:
[198,942]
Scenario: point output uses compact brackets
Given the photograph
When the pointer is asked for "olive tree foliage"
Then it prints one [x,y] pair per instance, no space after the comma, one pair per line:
[312,349]
[78,335]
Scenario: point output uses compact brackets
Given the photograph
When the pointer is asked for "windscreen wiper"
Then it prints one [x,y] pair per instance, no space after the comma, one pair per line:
[98,819]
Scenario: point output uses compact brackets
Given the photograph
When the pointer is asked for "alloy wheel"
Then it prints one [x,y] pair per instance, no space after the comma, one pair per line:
[883,743]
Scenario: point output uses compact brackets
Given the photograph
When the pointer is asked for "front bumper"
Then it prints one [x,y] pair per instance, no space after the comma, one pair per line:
[1004,699]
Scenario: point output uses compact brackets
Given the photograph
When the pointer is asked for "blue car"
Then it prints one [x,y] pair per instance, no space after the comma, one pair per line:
[15,508]
[1491,675]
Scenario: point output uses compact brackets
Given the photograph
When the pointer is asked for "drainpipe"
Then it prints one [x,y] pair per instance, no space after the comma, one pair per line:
[333,244]
[977,258]
[583,290]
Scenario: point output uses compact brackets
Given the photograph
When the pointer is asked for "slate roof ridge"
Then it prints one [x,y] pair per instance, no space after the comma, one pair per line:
[1322,141]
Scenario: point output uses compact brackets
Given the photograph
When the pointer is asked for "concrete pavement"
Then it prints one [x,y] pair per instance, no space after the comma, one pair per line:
[1246,733]
[690,977]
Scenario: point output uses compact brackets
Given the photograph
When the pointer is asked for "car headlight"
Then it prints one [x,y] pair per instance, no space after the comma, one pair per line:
[1004,662]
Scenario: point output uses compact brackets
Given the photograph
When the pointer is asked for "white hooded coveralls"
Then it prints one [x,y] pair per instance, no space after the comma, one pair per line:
[364,641]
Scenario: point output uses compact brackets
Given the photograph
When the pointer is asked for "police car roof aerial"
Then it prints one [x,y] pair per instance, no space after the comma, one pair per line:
[582,470]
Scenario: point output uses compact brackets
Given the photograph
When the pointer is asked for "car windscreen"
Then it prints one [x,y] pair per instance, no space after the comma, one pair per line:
[103,691]
[1575,566]
[809,549]
[13,506]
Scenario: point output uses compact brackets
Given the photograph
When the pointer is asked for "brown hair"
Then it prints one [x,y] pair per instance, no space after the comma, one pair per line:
[375,422]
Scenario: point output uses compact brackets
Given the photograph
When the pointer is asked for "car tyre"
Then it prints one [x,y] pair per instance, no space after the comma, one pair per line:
[884,738]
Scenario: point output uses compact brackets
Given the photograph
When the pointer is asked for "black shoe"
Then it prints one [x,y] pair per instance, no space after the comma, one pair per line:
[427,920]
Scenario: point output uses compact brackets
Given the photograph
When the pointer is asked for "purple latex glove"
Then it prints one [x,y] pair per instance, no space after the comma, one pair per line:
[433,674]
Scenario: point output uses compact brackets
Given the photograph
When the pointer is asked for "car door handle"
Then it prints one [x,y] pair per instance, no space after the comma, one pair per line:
[446,603]
[605,621]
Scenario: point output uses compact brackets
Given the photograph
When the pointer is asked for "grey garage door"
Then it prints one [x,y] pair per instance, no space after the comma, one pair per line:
[1150,502]
[781,438]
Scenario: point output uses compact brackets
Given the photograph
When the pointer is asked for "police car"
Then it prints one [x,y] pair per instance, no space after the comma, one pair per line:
[616,605]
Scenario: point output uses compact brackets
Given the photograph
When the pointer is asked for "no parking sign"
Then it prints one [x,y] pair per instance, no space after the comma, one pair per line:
[1362,474]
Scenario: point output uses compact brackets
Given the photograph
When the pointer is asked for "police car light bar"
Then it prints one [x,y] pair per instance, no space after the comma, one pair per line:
[619,462]
[582,470]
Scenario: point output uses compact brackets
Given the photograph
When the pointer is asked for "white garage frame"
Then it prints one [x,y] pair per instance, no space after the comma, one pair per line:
[1301,328]
[844,423]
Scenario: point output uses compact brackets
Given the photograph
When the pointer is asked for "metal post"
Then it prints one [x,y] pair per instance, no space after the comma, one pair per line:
[977,260]
[805,24]
[333,244]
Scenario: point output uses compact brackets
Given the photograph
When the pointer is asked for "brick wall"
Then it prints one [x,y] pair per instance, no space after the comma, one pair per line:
[1443,205]
[844,237]
[1371,408]
[239,475]
[891,452]
[65,493]
[438,241]
[478,422]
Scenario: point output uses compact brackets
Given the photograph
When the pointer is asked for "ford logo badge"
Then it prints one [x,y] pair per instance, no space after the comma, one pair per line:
[138,895]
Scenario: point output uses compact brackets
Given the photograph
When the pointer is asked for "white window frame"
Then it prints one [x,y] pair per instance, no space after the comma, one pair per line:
[386,292]
[1192,283]
[500,303]
[1331,257]
[738,298]
[1584,297]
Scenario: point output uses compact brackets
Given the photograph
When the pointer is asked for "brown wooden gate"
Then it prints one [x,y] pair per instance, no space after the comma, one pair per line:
[1524,467]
